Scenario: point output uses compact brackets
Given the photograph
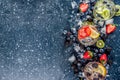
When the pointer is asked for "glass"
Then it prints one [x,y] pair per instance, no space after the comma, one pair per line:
[92,38]
[104,9]
[96,72]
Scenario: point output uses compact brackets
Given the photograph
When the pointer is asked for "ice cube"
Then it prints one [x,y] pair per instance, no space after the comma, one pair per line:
[72,58]
[92,0]
[74,4]
[86,1]
[73,30]
[103,30]
[101,23]
[81,56]
[107,75]
[80,74]
[95,21]
[110,21]
[65,32]
[77,48]
[88,16]
[80,23]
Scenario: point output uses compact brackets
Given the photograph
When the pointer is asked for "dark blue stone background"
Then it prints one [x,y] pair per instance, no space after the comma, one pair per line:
[31,45]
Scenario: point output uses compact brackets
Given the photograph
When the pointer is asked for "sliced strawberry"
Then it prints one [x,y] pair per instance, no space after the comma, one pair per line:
[83,7]
[84,32]
[87,55]
[110,28]
[87,30]
[103,58]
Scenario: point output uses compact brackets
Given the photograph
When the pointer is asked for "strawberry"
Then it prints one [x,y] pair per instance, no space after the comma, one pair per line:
[83,7]
[87,30]
[110,28]
[87,55]
[84,32]
[103,58]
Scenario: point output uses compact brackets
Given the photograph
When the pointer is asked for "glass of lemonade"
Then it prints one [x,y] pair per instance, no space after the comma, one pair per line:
[95,71]
[88,34]
[104,9]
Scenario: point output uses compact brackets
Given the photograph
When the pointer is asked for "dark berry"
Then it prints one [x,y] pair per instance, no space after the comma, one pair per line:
[88,74]
[95,78]
[95,65]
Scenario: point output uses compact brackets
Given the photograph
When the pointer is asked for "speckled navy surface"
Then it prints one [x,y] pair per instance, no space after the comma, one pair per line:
[31,45]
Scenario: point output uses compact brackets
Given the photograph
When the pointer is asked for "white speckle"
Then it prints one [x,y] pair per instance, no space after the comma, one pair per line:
[53,66]
[19,60]
[18,17]
[38,17]
[2,66]
[25,50]
[119,69]
[31,50]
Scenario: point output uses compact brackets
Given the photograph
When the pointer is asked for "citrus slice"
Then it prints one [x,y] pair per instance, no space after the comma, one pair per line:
[117,12]
[100,10]
[102,69]
[106,13]
[100,44]
[94,34]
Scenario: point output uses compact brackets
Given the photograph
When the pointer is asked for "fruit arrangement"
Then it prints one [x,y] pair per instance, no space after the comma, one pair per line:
[88,38]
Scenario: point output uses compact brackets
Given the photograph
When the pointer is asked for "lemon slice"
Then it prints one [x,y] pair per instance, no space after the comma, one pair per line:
[94,34]
[102,69]
[100,10]
[117,12]
[106,13]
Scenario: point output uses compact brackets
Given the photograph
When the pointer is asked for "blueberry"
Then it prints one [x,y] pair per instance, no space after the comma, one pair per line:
[76,71]
[95,65]
[78,64]
[100,76]
[88,48]
[101,50]
[95,78]
[68,38]
[96,50]
[88,74]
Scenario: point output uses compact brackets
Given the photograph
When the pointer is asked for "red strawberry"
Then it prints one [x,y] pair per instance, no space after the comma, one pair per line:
[103,58]
[110,28]
[84,32]
[87,30]
[83,7]
[87,55]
